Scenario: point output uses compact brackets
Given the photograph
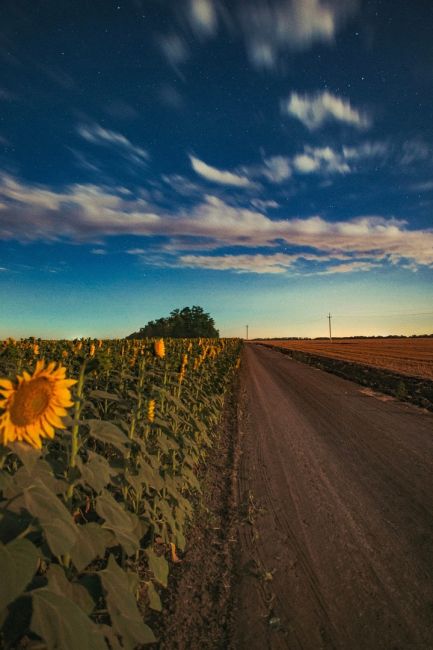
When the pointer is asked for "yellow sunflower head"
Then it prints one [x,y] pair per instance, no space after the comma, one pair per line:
[151,410]
[35,405]
[159,348]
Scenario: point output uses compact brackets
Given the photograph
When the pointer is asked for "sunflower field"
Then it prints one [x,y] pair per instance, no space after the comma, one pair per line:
[100,442]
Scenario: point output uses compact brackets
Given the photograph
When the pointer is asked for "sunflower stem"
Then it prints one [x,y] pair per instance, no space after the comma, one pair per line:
[75,428]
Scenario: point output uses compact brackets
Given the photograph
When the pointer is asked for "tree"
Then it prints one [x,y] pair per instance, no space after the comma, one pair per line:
[189,322]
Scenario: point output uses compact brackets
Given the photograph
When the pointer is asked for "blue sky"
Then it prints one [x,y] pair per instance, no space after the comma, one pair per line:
[269,160]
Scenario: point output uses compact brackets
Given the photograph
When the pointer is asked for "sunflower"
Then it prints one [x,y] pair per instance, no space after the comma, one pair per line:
[33,407]
[151,410]
[159,348]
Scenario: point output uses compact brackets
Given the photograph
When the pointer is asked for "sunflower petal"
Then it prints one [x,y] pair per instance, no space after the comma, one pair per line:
[39,366]
[53,419]
[49,431]
[65,383]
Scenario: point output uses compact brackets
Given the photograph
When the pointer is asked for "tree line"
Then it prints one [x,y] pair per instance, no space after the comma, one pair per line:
[189,322]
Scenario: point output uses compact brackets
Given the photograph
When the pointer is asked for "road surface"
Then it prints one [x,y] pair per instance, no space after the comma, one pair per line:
[336,489]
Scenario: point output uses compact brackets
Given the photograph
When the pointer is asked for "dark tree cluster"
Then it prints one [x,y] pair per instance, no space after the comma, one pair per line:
[189,322]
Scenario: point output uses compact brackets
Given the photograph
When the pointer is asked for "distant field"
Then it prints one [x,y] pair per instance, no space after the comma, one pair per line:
[413,357]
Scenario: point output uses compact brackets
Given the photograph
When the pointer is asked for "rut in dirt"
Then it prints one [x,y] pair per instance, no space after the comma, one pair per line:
[336,513]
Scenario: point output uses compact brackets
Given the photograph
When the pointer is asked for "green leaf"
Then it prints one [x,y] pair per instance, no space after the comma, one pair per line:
[58,583]
[6,485]
[18,564]
[107,432]
[154,599]
[121,604]
[42,471]
[56,522]
[158,566]
[62,624]
[28,455]
[96,472]
[121,522]
[150,475]
[93,540]
[102,394]
[192,479]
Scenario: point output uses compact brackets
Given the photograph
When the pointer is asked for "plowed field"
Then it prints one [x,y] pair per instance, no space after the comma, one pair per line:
[413,356]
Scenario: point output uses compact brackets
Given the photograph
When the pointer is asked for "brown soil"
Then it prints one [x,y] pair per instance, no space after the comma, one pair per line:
[412,357]
[317,531]
[338,552]
[198,602]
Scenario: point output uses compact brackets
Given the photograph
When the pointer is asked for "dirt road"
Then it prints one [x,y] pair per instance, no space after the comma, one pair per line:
[336,489]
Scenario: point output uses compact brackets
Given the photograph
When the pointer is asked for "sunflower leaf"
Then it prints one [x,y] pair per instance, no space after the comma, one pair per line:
[18,564]
[154,599]
[28,455]
[103,394]
[62,624]
[107,432]
[121,522]
[93,540]
[58,583]
[158,566]
[121,604]
[96,472]
[58,526]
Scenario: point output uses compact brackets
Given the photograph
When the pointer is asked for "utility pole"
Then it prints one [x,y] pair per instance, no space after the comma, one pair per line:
[330,333]
[247,331]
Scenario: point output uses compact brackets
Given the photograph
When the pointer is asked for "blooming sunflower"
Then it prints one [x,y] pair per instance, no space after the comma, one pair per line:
[33,407]
[159,348]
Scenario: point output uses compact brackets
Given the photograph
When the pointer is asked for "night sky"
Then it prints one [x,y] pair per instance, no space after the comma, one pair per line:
[269,160]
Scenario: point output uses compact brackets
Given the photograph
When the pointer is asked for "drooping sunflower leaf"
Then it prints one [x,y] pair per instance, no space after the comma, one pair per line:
[18,564]
[92,542]
[158,566]
[59,528]
[62,624]
[121,604]
[154,599]
[103,394]
[58,583]
[107,432]
[96,472]
[28,455]
[121,522]
[150,475]
[40,470]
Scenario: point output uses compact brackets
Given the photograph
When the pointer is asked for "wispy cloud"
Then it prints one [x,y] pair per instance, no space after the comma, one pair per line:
[257,263]
[322,107]
[349,267]
[264,204]
[203,16]
[320,159]
[219,176]
[174,48]
[91,213]
[276,169]
[425,186]
[273,27]
[277,263]
[169,96]
[100,136]
[413,151]
[269,28]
